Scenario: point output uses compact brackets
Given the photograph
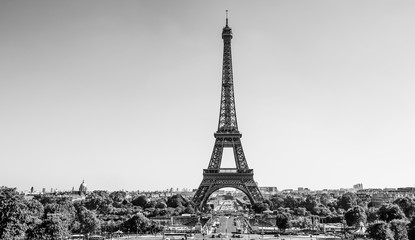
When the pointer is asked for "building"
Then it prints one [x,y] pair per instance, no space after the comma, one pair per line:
[358,186]
[378,199]
[268,190]
[83,188]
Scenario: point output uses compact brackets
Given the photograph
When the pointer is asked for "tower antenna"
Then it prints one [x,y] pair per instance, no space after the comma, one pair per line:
[226,17]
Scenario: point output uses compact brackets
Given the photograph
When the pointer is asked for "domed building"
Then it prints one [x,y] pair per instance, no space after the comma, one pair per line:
[82,188]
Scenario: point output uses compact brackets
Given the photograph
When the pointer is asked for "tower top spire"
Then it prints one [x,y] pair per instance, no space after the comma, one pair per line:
[227,31]
[226,17]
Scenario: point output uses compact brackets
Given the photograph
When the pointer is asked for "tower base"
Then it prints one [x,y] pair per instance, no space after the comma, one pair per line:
[215,179]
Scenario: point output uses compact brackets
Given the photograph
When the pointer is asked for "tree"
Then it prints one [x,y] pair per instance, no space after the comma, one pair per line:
[301,222]
[140,201]
[155,228]
[325,199]
[269,203]
[227,197]
[163,212]
[161,205]
[110,226]
[380,231]
[407,205]
[88,221]
[189,209]
[322,211]
[176,201]
[355,215]
[300,211]
[398,228]
[311,203]
[389,212]
[137,223]
[99,201]
[347,201]
[411,229]
[282,221]
[178,210]
[52,228]
[118,196]
[277,201]
[259,207]
[293,202]
[36,212]
[372,214]
[13,214]
[66,211]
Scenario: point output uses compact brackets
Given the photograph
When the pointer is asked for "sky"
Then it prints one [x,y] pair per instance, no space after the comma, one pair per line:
[125,94]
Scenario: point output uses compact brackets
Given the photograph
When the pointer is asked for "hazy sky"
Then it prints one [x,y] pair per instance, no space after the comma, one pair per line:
[125,94]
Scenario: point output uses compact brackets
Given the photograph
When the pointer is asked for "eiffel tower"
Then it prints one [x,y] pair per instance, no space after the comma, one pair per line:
[227,136]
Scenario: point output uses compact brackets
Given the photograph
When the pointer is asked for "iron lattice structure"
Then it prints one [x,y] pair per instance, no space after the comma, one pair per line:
[227,136]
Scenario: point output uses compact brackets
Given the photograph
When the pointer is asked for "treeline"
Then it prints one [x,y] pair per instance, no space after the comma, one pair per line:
[392,221]
[57,216]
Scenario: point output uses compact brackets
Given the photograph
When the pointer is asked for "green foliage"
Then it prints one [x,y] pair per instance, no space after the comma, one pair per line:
[259,207]
[64,209]
[111,225]
[334,218]
[36,212]
[347,201]
[161,205]
[407,205]
[227,197]
[301,222]
[54,226]
[155,228]
[389,212]
[137,223]
[411,229]
[269,203]
[99,201]
[380,231]
[398,228]
[282,221]
[88,221]
[372,214]
[292,202]
[322,205]
[14,214]
[324,200]
[140,201]
[310,203]
[57,216]
[300,211]
[355,215]
[277,201]
[51,217]
[322,211]
[118,196]
[178,210]
[176,201]
[189,209]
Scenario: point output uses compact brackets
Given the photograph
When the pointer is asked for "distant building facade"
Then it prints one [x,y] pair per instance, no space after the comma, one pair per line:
[358,186]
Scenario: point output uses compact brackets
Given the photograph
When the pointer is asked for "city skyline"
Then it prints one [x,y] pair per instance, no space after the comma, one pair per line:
[125,94]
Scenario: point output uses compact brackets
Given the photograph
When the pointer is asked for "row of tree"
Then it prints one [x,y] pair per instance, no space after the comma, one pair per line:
[57,216]
[394,221]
